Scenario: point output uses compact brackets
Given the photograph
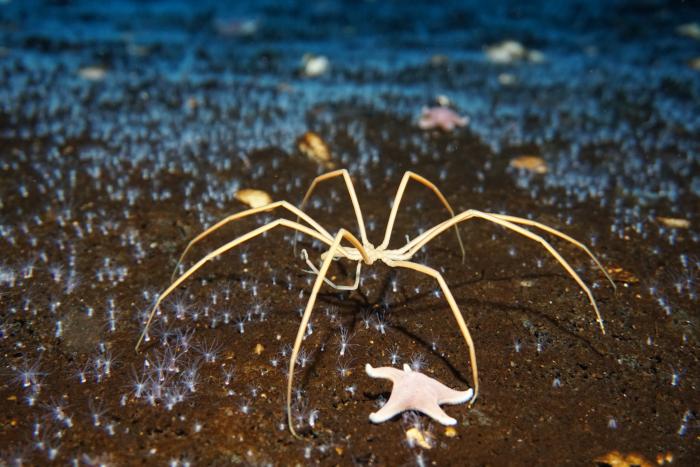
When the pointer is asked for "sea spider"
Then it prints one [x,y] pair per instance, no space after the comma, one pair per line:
[362,251]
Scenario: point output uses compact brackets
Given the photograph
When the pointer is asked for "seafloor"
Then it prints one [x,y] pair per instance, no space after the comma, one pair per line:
[127,127]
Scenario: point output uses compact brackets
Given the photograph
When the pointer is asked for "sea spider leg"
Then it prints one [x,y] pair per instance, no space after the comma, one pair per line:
[314,270]
[353,198]
[222,249]
[521,220]
[397,200]
[249,212]
[546,228]
[455,311]
[427,236]
[332,251]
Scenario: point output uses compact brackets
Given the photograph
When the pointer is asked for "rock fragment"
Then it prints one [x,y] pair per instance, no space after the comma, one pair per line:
[416,437]
[534,164]
[315,65]
[621,275]
[92,73]
[510,51]
[253,198]
[674,222]
[618,459]
[312,146]
[691,30]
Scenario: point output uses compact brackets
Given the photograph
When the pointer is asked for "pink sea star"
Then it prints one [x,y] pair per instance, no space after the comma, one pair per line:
[415,391]
[443,118]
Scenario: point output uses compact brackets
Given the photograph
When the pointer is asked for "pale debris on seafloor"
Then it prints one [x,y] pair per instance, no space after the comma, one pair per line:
[253,198]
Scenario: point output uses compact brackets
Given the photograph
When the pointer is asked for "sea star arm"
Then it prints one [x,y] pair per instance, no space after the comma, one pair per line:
[422,399]
[447,395]
[394,406]
[384,372]
[413,390]
[456,397]
[434,411]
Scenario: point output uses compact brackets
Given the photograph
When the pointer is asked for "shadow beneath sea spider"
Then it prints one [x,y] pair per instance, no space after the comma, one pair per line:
[359,302]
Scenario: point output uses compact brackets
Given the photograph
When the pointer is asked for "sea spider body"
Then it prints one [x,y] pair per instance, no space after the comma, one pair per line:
[345,245]
[373,254]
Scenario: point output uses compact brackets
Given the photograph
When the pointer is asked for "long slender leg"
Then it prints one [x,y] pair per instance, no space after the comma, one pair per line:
[353,198]
[548,229]
[421,240]
[249,212]
[523,221]
[342,234]
[397,200]
[455,311]
[222,249]
[314,270]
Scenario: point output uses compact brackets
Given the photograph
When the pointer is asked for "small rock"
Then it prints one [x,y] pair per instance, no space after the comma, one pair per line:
[450,432]
[534,164]
[674,222]
[92,73]
[691,30]
[443,100]
[507,79]
[664,458]
[315,65]
[505,52]
[416,437]
[511,51]
[312,146]
[253,198]
[618,459]
[620,275]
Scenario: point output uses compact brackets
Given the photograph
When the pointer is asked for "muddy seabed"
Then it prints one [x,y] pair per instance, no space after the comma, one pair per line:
[125,132]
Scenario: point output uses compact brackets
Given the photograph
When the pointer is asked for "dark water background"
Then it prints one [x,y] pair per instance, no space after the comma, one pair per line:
[127,127]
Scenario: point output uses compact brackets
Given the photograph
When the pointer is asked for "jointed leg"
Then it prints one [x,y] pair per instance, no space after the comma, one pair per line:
[353,198]
[397,200]
[410,249]
[546,228]
[314,270]
[222,249]
[455,311]
[250,212]
[342,234]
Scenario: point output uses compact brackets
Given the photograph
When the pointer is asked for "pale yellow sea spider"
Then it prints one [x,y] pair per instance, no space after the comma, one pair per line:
[362,251]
